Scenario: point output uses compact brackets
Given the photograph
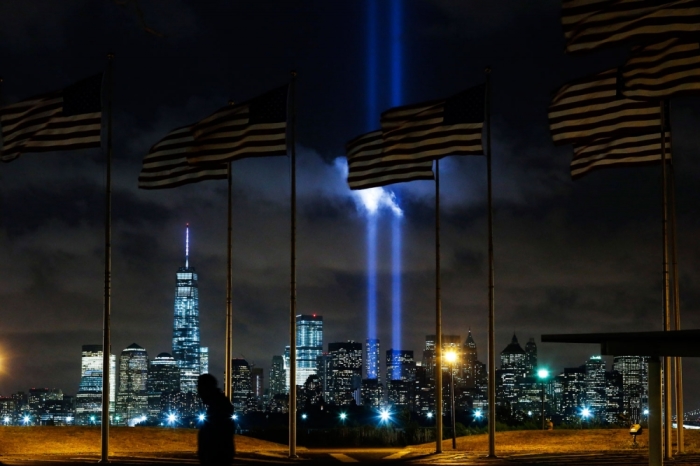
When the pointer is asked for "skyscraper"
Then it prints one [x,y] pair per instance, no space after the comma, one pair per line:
[635,384]
[132,398]
[163,381]
[186,349]
[595,387]
[400,375]
[277,376]
[88,401]
[531,356]
[309,345]
[372,359]
[346,372]
[469,361]
[241,384]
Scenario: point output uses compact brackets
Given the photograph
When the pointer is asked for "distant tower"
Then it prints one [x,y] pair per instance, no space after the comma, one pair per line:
[531,356]
[470,360]
[400,375]
[372,359]
[132,398]
[277,377]
[163,379]
[346,372]
[88,401]
[186,349]
[595,387]
[203,360]
[241,384]
[309,345]
[635,385]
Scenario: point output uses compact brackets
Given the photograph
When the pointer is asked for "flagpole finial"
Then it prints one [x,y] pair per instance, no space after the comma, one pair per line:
[110,56]
[487,70]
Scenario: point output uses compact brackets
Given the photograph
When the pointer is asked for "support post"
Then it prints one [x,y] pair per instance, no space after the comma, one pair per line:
[492,332]
[655,418]
[293,283]
[668,452]
[229,290]
[438,318]
[106,330]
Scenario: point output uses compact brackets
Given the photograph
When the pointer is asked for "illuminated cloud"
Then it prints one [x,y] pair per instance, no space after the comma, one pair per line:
[372,199]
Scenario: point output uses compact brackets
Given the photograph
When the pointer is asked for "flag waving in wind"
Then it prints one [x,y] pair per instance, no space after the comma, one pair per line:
[68,119]
[256,128]
[166,165]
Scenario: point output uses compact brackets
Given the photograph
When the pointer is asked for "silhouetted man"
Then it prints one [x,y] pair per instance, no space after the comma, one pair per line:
[216,447]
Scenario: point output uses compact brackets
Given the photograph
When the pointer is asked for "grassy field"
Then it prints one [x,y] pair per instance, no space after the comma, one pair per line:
[125,441]
[122,441]
[563,441]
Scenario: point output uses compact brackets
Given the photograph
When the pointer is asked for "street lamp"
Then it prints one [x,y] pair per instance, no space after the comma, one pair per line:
[585,413]
[384,415]
[343,416]
[543,374]
[451,357]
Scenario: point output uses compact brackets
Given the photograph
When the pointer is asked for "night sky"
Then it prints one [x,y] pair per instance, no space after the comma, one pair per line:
[580,256]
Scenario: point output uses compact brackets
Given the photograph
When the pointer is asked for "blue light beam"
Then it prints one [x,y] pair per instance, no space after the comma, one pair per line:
[372,63]
[396,289]
[396,55]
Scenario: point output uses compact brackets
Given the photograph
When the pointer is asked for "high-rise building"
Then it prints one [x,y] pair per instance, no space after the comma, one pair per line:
[595,387]
[203,360]
[277,376]
[531,357]
[449,343]
[241,385]
[88,401]
[132,397]
[287,368]
[309,345]
[186,349]
[372,359]
[163,381]
[346,372]
[513,370]
[257,382]
[401,374]
[324,372]
[635,385]
[469,361]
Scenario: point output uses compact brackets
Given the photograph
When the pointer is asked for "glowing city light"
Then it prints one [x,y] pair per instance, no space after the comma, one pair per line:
[171,418]
[430,415]
[646,412]
[477,414]
[529,413]
[542,373]
[234,417]
[585,412]
[384,415]
[303,416]
[450,356]
[343,416]
[26,420]
[6,419]
[92,419]
[201,417]
[68,419]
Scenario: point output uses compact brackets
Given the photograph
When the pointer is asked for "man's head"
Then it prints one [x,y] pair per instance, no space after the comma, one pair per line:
[207,387]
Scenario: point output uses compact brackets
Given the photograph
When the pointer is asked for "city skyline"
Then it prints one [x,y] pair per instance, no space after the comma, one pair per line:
[570,256]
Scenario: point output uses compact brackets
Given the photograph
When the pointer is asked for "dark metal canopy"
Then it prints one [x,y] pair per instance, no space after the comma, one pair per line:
[683,343]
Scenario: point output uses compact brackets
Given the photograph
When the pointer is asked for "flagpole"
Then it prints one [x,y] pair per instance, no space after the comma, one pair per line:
[680,440]
[293,283]
[668,454]
[438,318]
[229,286]
[106,337]
[492,333]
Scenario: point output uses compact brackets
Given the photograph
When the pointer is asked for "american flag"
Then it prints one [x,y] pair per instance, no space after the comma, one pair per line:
[68,119]
[435,129]
[166,165]
[590,108]
[255,128]
[662,70]
[618,152]
[590,24]
[368,167]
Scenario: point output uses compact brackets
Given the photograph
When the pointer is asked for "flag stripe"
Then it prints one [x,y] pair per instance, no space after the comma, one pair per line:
[166,164]
[590,109]
[662,70]
[369,168]
[233,132]
[38,124]
[626,151]
[592,24]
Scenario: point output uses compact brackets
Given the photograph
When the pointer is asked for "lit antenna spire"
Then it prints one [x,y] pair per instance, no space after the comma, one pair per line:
[187,245]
